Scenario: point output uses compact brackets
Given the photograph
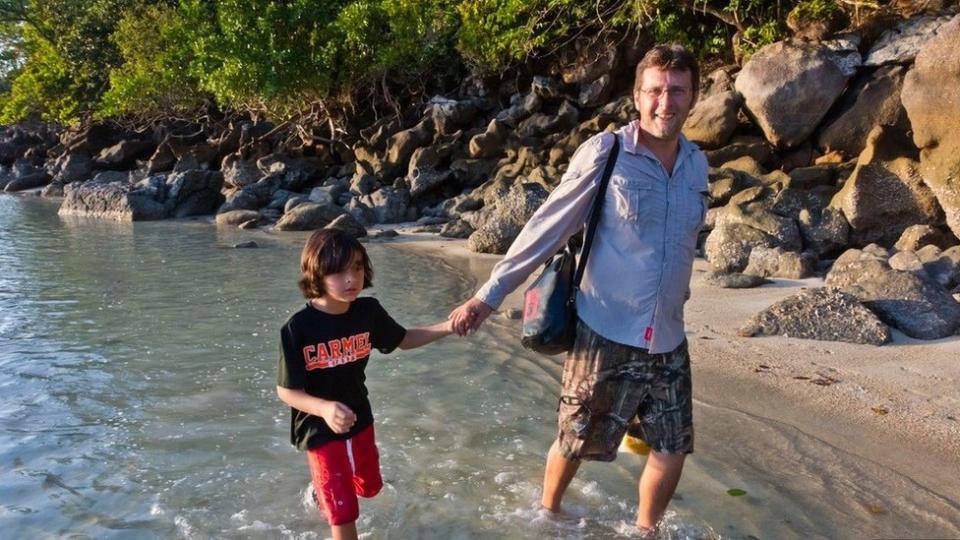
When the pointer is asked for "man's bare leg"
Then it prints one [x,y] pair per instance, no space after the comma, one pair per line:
[557,477]
[657,484]
[347,531]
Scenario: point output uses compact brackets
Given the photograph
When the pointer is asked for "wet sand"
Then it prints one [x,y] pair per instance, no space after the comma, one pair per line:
[897,405]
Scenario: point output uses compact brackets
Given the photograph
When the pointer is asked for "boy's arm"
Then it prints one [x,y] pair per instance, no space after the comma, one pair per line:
[338,416]
[417,337]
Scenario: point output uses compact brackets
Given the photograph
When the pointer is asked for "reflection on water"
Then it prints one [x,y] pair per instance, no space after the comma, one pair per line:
[137,400]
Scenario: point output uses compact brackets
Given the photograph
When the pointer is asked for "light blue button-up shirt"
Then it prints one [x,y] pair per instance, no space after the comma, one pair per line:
[637,276]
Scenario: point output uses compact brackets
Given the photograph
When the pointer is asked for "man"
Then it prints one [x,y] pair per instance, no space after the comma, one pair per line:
[629,363]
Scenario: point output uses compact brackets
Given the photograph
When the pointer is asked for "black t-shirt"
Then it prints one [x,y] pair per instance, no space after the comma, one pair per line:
[325,356]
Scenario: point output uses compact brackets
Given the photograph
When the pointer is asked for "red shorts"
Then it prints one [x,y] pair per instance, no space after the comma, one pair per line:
[342,470]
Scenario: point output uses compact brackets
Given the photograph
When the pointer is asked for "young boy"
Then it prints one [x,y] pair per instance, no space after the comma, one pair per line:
[323,352]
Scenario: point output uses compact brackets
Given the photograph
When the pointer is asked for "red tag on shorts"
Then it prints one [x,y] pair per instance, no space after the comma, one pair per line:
[648,334]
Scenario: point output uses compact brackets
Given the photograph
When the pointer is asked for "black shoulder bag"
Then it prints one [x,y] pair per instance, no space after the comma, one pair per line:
[549,304]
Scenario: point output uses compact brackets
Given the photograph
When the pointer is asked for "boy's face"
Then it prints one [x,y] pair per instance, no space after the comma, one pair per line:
[344,286]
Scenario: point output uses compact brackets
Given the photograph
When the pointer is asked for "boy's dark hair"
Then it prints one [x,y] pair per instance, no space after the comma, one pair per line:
[329,251]
[669,57]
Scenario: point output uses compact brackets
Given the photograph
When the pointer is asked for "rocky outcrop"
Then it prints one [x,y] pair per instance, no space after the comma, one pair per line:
[777,262]
[713,120]
[886,193]
[507,218]
[156,197]
[308,216]
[874,99]
[788,88]
[931,96]
[823,313]
[902,43]
[734,280]
[918,307]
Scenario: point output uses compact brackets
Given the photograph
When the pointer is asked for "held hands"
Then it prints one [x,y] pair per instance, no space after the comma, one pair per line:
[338,416]
[468,317]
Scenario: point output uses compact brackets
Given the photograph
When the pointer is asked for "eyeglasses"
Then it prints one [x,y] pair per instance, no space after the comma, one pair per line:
[673,92]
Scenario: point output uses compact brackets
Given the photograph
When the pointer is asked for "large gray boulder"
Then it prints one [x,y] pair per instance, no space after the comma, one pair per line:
[919,307]
[118,201]
[824,233]
[734,280]
[490,143]
[942,266]
[823,313]
[728,246]
[596,92]
[389,205]
[241,199]
[873,99]
[71,167]
[309,216]
[236,217]
[428,168]
[450,115]
[293,173]
[902,43]
[931,96]
[193,193]
[157,197]
[541,124]
[713,120]
[521,106]
[239,172]
[124,154]
[507,218]
[778,262]
[788,89]
[348,224]
[886,193]
[744,224]
[915,237]
[400,147]
[28,181]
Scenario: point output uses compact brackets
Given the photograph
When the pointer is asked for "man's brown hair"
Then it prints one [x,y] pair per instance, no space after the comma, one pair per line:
[669,57]
[329,251]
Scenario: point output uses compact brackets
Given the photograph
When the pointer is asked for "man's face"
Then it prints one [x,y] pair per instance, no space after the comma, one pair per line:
[664,100]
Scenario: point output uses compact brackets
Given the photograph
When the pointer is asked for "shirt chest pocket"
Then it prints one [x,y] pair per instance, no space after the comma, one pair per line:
[630,198]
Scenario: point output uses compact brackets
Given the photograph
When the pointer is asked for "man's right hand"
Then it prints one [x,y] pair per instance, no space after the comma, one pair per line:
[469,316]
[338,416]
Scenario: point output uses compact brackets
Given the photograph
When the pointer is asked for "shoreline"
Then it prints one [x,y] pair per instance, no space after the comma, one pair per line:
[897,405]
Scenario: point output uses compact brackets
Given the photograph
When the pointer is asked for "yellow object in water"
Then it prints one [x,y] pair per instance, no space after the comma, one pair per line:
[634,445]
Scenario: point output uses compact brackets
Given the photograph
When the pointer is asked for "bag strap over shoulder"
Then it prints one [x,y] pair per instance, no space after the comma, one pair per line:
[595,215]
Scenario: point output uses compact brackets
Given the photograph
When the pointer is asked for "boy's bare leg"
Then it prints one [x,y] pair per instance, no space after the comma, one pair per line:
[657,484]
[347,531]
[557,477]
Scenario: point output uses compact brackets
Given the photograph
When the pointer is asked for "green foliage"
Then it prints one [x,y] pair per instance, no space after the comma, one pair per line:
[154,43]
[44,87]
[755,37]
[815,10]
[66,59]
[495,34]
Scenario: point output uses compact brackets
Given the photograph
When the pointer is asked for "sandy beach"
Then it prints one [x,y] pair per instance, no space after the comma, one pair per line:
[897,406]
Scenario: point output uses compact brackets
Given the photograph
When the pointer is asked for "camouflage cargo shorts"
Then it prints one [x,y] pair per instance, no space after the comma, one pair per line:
[610,388]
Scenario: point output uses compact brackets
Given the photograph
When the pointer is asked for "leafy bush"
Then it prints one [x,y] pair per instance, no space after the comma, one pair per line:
[155,77]
[65,59]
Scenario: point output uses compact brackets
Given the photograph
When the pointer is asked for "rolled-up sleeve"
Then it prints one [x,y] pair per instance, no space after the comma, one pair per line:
[563,213]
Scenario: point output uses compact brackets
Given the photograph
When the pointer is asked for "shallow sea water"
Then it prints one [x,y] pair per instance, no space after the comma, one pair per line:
[137,366]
